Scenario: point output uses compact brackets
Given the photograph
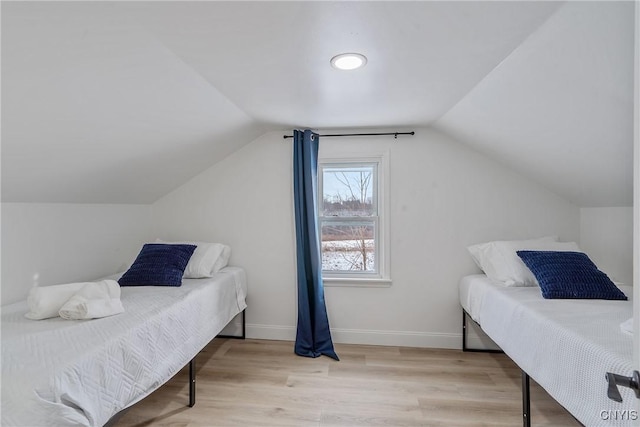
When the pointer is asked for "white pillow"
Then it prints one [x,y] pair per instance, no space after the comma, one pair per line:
[207,259]
[501,263]
[222,260]
[484,253]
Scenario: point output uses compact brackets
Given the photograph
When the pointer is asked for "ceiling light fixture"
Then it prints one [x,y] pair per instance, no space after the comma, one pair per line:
[348,61]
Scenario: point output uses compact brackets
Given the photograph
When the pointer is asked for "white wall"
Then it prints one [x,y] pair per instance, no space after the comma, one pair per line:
[606,234]
[444,197]
[46,244]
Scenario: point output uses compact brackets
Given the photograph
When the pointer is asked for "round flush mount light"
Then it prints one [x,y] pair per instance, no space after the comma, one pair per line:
[348,61]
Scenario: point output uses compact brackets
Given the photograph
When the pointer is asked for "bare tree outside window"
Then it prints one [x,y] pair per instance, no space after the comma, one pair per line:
[348,218]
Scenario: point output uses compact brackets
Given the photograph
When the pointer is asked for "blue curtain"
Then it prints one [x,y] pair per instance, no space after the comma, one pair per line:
[313,337]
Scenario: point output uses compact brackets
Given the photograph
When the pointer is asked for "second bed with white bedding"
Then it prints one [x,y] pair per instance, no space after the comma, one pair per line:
[565,345]
[60,372]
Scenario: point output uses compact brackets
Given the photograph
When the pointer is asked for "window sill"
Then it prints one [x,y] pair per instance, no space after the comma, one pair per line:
[360,282]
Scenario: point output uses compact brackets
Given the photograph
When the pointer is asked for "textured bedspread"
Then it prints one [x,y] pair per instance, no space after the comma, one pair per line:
[65,373]
[566,346]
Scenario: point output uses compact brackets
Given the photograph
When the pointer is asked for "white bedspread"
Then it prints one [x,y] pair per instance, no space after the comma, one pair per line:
[566,346]
[59,372]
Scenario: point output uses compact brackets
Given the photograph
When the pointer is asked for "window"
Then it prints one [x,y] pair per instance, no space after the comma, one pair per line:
[350,218]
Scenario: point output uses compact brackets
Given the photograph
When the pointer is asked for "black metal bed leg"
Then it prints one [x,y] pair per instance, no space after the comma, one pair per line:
[465,348]
[464,330]
[526,401]
[192,382]
[244,324]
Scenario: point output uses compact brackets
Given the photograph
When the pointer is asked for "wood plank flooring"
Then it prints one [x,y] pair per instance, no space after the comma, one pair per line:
[263,383]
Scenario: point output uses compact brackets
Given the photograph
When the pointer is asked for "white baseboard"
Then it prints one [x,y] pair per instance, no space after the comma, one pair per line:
[271,332]
[360,336]
[397,338]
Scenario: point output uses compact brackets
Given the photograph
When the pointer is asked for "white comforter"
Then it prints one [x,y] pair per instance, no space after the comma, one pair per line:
[566,346]
[59,372]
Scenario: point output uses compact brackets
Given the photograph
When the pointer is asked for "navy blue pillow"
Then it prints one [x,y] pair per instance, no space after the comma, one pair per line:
[158,265]
[569,275]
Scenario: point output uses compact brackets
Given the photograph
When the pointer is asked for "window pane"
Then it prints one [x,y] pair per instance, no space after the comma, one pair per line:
[348,246]
[348,191]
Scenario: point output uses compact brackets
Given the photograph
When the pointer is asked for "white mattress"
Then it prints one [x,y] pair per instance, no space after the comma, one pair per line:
[59,372]
[566,346]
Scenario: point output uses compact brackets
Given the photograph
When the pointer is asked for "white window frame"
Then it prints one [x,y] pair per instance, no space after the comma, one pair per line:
[382,277]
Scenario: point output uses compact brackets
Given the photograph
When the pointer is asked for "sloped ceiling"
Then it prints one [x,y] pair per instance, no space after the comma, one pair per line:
[560,107]
[122,102]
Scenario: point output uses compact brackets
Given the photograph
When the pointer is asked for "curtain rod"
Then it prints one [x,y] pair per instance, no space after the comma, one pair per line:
[395,134]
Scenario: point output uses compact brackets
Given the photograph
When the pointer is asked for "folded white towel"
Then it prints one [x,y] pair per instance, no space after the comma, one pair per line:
[627,326]
[94,300]
[46,301]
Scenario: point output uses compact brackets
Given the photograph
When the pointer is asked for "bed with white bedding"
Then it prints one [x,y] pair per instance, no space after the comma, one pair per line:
[59,372]
[565,345]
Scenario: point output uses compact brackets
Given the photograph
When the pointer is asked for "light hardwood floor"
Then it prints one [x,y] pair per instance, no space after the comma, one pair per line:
[263,383]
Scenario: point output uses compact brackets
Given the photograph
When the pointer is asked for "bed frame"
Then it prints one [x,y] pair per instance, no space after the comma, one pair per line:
[192,363]
[464,336]
[526,397]
[192,374]
[526,380]
[614,380]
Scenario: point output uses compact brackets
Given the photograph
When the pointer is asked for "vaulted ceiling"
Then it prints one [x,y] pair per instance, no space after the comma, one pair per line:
[116,102]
